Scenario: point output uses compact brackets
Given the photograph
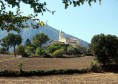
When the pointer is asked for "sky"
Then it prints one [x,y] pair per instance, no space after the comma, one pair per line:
[83,22]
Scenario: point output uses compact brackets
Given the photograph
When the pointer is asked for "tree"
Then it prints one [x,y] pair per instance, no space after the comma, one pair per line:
[105,48]
[5,43]
[27,42]
[14,40]
[40,39]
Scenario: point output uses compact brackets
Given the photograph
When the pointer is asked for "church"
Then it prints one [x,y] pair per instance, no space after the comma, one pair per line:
[70,41]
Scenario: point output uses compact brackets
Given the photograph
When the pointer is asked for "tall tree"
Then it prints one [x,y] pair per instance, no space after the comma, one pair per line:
[40,39]
[14,40]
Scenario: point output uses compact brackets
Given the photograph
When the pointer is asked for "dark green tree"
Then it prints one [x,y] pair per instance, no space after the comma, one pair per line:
[14,40]
[27,42]
[5,43]
[40,39]
[105,48]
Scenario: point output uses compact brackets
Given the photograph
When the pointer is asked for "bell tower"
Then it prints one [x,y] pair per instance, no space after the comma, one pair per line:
[61,35]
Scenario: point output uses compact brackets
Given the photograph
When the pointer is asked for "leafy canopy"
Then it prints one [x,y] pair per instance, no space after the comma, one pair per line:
[40,39]
[105,48]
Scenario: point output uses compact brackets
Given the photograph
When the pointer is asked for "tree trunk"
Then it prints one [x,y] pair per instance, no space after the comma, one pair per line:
[14,51]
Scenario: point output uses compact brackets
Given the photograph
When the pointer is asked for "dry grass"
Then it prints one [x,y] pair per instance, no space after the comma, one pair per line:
[46,63]
[91,78]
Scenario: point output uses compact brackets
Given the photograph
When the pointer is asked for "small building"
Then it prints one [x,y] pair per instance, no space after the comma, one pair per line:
[70,41]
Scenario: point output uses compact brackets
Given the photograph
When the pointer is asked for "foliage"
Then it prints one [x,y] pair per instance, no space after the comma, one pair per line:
[96,66]
[20,65]
[14,40]
[5,43]
[72,51]
[40,51]
[40,39]
[10,20]
[77,2]
[42,72]
[54,47]
[27,42]
[58,53]
[11,40]
[29,50]
[2,50]
[82,49]
[105,48]
[21,50]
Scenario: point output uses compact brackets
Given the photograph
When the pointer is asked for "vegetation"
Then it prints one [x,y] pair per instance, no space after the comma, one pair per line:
[58,53]
[40,51]
[20,65]
[42,72]
[21,50]
[27,42]
[40,39]
[11,40]
[104,47]
[29,50]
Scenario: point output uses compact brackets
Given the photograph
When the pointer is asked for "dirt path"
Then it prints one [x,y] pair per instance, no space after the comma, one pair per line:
[91,78]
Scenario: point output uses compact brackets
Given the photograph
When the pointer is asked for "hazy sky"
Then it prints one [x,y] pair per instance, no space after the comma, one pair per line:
[83,22]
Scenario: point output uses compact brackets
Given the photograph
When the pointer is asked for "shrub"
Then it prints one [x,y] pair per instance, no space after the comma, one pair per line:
[21,50]
[58,53]
[96,66]
[54,47]
[29,50]
[20,65]
[40,51]
[2,50]
[72,51]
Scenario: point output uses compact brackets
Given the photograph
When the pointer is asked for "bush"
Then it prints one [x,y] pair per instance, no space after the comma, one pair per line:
[58,53]
[41,72]
[2,50]
[54,47]
[96,66]
[40,51]
[72,51]
[29,50]
[21,50]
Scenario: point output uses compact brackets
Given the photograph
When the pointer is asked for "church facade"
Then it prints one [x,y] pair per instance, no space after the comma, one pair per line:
[70,41]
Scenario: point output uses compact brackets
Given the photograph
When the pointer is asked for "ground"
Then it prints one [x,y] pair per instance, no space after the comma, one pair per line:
[90,78]
[9,62]
[37,63]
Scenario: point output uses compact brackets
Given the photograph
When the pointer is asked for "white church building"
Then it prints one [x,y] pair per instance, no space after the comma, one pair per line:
[71,41]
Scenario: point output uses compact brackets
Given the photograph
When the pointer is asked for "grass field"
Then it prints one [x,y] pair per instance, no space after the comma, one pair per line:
[45,63]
